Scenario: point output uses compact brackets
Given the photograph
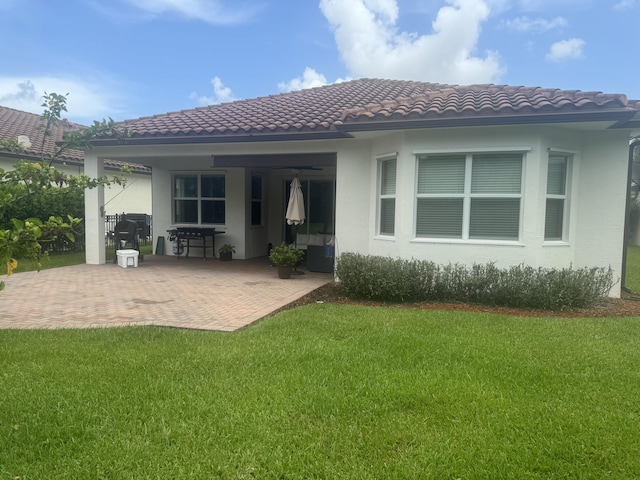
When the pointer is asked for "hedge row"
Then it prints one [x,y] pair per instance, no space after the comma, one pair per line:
[521,286]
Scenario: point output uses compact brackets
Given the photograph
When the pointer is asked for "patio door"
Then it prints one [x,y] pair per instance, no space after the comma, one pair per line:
[319,203]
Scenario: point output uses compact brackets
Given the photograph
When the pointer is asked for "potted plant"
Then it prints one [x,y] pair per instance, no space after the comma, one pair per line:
[285,257]
[226,252]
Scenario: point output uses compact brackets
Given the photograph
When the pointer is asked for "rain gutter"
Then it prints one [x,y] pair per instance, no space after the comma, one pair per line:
[488,121]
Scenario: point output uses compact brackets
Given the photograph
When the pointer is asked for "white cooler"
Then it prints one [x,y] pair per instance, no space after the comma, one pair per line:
[127,258]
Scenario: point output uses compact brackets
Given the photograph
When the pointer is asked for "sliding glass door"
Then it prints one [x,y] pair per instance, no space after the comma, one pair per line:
[319,203]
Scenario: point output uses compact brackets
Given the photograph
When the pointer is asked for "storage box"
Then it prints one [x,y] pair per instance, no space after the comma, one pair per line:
[320,259]
[127,258]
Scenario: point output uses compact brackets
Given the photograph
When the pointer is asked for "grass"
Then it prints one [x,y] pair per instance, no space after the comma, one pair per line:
[64,260]
[633,268]
[326,391]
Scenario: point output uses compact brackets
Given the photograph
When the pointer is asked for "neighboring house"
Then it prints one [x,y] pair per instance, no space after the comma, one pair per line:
[482,173]
[21,126]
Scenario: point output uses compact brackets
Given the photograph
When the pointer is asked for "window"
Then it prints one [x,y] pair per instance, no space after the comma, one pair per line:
[556,197]
[387,206]
[469,196]
[199,198]
[256,200]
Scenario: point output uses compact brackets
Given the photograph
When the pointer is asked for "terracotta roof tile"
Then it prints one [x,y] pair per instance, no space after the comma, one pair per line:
[16,122]
[324,109]
[301,111]
[490,100]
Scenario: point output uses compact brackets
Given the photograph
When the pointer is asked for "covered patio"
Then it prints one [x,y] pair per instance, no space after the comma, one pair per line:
[163,291]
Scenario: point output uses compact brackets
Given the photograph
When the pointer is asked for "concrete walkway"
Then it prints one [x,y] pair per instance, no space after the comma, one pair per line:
[162,291]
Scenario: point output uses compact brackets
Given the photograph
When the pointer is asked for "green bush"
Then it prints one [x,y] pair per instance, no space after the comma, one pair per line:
[398,280]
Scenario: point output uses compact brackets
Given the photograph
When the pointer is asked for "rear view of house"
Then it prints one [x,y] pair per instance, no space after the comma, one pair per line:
[481,173]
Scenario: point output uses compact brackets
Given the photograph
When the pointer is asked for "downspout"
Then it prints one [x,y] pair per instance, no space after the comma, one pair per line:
[627,223]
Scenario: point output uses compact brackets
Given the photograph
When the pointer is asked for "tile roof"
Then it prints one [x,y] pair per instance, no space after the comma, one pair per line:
[337,108]
[16,122]
[487,100]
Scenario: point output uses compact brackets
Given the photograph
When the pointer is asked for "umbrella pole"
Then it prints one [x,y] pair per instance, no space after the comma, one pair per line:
[295,270]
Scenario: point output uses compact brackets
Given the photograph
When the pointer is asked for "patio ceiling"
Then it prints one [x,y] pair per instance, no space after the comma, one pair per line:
[292,160]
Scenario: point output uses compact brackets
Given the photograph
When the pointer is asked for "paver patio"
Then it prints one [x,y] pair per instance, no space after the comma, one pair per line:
[162,291]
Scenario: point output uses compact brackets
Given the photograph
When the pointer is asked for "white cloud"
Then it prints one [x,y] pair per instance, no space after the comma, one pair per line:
[87,100]
[502,6]
[526,24]
[564,50]
[625,5]
[310,79]
[210,11]
[221,94]
[370,44]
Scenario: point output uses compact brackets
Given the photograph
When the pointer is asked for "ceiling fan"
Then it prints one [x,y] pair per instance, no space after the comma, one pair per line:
[298,168]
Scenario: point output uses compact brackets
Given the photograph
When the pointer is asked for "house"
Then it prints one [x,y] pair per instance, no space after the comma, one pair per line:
[22,127]
[480,173]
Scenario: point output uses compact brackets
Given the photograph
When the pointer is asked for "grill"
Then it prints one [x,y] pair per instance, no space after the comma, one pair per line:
[183,236]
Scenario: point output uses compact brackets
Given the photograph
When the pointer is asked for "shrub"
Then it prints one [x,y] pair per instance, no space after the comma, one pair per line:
[285,255]
[522,286]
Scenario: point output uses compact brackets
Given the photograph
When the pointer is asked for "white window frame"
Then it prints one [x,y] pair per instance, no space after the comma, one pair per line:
[467,196]
[382,160]
[199,198]
[568,157]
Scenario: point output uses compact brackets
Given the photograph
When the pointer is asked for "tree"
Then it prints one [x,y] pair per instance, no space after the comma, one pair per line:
[32,187]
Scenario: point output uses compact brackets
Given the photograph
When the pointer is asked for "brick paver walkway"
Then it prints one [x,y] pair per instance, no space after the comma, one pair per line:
[163,291]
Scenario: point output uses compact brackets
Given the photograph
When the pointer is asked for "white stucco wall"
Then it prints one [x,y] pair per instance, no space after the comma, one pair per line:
[602,198]
[235,209]
[235,204]
[134,197]
[354,208]
[94,213]
[161,207]
[596,202]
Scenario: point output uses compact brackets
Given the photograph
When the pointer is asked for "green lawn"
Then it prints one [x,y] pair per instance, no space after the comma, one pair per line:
[326,391]
[64,260]
[633,268]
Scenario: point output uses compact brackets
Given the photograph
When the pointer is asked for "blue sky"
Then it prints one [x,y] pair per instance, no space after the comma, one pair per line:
[132,58]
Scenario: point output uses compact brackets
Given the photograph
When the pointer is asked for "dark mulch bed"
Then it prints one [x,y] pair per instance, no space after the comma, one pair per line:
[610,307]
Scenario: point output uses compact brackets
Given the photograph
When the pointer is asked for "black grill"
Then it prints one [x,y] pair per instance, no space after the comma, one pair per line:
[184,235]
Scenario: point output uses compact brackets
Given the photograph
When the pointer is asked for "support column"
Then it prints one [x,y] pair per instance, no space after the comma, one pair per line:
[94,212]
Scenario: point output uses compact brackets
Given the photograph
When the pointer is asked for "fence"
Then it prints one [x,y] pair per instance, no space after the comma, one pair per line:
[142,220]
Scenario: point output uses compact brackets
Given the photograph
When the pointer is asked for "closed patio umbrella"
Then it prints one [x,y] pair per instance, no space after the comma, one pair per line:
[295,208]
[295,211]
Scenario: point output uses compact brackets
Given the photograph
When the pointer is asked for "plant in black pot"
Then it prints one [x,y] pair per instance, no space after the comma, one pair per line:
[226,252]
[285,257]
